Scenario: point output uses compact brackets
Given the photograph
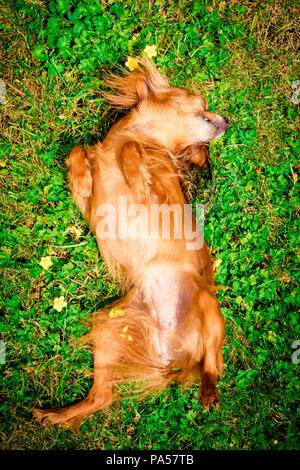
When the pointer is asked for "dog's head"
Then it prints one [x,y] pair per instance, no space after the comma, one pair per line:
[171,116]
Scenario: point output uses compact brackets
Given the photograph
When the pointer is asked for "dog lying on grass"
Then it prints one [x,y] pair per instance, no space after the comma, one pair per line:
[168,327]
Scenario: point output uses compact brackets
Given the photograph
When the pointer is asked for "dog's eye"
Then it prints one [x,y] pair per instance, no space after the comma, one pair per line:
[204,118]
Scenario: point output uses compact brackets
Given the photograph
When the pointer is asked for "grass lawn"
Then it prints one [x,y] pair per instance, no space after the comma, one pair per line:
[54,58]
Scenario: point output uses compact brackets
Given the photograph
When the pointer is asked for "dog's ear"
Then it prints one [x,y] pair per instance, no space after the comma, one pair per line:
[137,86]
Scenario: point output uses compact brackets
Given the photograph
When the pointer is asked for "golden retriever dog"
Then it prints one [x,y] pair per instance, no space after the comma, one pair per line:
[168,327]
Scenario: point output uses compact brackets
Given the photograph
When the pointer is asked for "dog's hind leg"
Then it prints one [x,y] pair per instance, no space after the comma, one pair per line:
[212,362]
[100,395]
[80,179]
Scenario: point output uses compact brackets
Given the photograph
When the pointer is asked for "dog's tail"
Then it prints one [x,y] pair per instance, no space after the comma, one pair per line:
[132,352]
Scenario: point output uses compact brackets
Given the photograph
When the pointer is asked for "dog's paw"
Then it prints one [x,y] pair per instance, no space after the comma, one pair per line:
[209,397]
[79,175]
[49,417]
[82,185]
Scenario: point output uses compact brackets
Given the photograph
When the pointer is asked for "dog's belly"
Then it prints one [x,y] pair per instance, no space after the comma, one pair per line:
[162,291]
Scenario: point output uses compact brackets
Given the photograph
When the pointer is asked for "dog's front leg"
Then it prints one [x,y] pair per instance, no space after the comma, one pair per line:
[80,179]
[197,154]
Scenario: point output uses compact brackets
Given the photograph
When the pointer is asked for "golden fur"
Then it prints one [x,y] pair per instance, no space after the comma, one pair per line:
[139,159]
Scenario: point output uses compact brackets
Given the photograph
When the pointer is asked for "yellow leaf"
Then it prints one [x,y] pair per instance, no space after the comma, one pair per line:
[125,328]
[123,336]
[75,230]
[272,336]
[295,177]
[131,63]
[46,262]
[59,303]
[222,5]
[216,264]
[116,312]
[130,338]
[150,51]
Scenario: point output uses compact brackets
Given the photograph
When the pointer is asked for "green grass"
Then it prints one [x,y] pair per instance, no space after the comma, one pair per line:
[54,58]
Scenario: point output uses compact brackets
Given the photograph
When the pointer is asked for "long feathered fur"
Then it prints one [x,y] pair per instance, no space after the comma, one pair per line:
[141,159]
[132,87]
[131,348]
